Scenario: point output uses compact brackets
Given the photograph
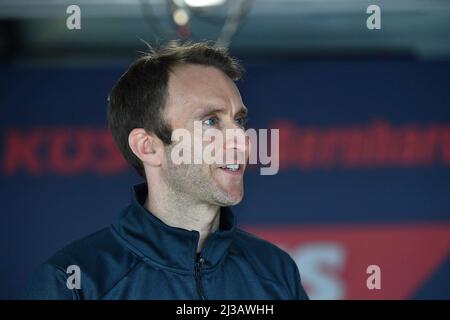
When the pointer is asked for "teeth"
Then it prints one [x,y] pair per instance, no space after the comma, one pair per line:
[231,167]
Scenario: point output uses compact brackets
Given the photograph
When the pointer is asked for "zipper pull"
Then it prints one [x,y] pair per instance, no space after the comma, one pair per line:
[198,283]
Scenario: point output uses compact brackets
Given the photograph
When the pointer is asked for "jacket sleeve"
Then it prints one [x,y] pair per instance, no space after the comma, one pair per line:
[299,291]
[49,283]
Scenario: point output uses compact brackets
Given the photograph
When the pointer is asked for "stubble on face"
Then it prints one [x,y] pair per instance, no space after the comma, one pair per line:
[194,181]
[192,90]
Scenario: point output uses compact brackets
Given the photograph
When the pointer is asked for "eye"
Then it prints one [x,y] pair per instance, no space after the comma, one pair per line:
[210,121]
[241,121]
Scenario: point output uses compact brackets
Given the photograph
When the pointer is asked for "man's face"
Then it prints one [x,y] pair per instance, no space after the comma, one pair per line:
[207,97]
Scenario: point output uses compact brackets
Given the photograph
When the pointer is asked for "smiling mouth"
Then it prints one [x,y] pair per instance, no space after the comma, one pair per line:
[231,167]
[236,169]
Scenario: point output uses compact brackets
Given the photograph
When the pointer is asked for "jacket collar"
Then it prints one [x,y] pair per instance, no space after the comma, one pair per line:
[172,247]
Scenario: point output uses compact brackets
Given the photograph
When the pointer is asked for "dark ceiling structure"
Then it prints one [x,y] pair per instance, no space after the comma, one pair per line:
[115,29]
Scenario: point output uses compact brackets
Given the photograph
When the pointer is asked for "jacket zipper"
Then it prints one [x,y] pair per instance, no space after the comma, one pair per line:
[198,278]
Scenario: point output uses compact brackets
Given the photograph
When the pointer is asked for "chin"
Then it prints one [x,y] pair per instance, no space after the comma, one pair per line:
[232,198]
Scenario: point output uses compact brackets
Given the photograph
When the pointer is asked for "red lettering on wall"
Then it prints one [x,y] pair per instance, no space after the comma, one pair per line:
[377,144]
[22,151]
[62,151]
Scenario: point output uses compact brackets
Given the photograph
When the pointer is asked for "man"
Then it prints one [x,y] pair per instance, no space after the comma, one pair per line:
[177,239]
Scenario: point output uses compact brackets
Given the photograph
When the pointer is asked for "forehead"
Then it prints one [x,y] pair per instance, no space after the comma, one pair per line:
[195,86]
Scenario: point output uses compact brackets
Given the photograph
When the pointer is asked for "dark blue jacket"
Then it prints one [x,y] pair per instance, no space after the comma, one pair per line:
[140,257]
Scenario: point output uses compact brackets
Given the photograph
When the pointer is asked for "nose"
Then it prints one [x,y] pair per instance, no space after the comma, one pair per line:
[236,144]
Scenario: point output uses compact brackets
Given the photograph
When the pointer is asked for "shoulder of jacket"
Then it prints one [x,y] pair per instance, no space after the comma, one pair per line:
[268,261]
[101,258]
[262,249]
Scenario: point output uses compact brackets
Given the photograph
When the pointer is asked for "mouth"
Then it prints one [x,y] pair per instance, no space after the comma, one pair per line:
[234,169]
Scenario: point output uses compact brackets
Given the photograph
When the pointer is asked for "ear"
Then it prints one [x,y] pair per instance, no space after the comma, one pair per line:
[147,147]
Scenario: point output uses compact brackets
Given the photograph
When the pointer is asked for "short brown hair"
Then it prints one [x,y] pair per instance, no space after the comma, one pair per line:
[137,100]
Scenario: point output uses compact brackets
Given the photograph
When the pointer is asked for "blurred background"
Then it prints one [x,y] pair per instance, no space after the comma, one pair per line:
[364,119]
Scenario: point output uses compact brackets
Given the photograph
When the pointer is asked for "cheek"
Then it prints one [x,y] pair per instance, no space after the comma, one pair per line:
[213,151]
[201,171]
[209,170]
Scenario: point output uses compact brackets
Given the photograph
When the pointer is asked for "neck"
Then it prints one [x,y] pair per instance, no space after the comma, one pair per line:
[179,210]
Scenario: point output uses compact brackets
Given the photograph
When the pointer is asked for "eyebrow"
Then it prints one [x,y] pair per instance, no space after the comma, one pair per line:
[243,111]
[209,110]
